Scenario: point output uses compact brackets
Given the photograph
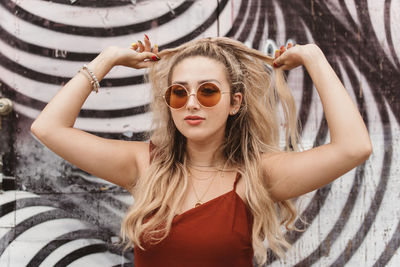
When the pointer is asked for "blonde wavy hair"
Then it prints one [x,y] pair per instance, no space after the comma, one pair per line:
[253,131]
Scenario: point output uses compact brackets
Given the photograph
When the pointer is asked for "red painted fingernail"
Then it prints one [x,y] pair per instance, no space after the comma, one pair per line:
[276,65]
[147,37]
[154,58]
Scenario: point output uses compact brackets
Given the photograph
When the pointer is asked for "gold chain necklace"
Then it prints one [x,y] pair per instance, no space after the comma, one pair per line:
[198,203]
[191,164]
[216,170]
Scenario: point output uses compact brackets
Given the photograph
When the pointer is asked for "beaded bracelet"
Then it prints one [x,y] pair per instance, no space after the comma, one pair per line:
[93,80]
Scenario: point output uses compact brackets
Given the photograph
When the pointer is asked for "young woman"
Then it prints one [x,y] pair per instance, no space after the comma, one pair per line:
[213,183]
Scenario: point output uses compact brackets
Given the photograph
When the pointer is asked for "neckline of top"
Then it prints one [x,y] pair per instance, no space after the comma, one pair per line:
[205,204]
[214,199]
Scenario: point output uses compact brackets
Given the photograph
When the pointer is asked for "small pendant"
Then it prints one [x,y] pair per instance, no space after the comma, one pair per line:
[198,204]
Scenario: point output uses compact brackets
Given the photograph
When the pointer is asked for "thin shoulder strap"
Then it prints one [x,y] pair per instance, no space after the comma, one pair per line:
[236,180]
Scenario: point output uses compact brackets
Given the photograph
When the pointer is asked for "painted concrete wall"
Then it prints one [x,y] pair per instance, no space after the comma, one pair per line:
[54,214]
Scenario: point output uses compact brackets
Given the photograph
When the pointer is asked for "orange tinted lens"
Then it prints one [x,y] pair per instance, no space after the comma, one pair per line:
[176,96]
[208,94]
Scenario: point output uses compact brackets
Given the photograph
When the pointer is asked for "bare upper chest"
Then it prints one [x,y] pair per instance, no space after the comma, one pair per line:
[204,191]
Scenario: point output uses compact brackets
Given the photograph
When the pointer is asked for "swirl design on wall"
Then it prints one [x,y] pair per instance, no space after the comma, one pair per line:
[44,43]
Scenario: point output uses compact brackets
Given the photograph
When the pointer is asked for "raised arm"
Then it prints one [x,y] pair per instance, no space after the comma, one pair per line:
[116,161]
[292,174]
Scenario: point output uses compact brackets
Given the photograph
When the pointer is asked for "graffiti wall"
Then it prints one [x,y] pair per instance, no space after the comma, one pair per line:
[54,214]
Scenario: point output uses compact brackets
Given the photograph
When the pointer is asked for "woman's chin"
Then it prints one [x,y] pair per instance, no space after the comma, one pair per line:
[196,137]
[201,134]
[196,134]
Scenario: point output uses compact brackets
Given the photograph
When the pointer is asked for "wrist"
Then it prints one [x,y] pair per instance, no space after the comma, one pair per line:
[108,56]
[311,55]
[103,63]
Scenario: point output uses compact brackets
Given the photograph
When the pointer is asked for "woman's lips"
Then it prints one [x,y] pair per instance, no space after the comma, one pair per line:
[194,120]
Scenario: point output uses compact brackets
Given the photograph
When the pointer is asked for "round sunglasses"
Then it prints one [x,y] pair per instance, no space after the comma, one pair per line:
[207,94]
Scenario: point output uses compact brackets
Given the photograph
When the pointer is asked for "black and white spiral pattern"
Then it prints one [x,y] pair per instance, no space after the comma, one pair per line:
[58,215]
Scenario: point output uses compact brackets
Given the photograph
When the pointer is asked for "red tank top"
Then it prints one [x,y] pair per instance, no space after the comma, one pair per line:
[216,233]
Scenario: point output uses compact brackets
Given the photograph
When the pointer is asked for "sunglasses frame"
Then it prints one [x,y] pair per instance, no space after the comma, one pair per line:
[195,95]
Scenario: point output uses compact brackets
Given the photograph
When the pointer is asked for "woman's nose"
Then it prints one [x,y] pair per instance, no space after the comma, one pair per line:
[192,101]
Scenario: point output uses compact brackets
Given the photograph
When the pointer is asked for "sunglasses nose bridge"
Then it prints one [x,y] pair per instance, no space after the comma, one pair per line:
[192,101]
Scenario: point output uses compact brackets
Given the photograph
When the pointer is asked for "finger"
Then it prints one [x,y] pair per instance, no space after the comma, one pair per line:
[149,56]
[145,64]
[290,45]
[141,46]
[134,46]
[277,53]
[147,44]
[155,49]
[279,61]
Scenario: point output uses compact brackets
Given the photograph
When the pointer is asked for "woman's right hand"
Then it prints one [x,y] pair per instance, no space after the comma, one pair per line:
[138,56]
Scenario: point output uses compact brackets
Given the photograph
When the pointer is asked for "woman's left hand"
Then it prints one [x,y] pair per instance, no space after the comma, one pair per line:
[290,57]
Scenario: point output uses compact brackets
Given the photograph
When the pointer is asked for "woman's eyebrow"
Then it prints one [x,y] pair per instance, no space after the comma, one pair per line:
[198,82]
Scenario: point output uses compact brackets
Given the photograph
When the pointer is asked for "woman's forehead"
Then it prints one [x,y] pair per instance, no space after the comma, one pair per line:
[184,83]
[195,69]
